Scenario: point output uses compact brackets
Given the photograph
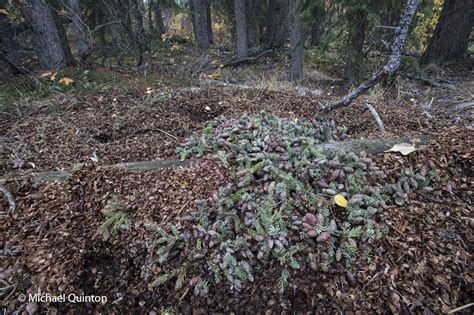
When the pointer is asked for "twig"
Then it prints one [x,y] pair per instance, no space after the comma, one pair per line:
[460,308]
[376,117]
[372,279]
[168,134]
[8,196]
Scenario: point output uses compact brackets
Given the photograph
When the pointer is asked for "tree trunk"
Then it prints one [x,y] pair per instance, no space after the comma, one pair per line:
[317,29]
[202,23]
[55,8]
[209,22]
[451,36]
[277,26]
[355,55]
[241,29]
[140,33]
[297,43]
[6,69]
[81,31]
[255,21]
[45,36]
[13,50]
[159,19]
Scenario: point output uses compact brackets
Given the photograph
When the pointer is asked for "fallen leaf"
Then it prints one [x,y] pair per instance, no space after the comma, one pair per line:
[403,148]
[66,81]
[207,108]
[340,201]
[53,76]
[4,11]
[46,74]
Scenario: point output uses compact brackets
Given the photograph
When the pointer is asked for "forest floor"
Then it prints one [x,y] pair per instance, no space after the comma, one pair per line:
[50,243]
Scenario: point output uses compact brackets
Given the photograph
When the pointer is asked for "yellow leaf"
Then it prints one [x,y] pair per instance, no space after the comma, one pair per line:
[4,11]
[175,47]
[340,201]
[221,66]
[66,81]
[214,75]
[53,76]
[46,74]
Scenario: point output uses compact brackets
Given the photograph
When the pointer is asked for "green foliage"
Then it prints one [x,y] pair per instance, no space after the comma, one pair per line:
[280,200]
[115,220]
[283,280]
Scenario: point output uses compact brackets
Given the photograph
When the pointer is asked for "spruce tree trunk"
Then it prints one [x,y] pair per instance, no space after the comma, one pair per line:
[277,25]
[355,55]
[202,23]
[13,50]
[159,19]
[297,43]
[55,8]
[317,29]
[255,21]
[451,36]
[241,29]
[81,31]
[6,69]
[45,36]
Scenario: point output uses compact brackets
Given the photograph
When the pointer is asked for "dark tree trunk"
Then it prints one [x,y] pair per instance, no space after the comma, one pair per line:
[277,25]
[202,23]
[255,21]
[13,50]
[160,25]
[355,55]
[209,22]
[317,29]
[81,31]
[45,36]
[451,36]
[6,68]
[140,33]
[241,29]
[297,43]
[55,8]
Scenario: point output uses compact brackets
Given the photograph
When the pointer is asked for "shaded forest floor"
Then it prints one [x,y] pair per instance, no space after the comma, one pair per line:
[51,244]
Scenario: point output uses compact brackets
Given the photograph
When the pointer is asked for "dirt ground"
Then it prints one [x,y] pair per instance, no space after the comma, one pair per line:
[51,244]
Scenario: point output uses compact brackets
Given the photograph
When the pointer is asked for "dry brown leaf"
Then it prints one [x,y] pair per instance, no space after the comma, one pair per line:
[403,148]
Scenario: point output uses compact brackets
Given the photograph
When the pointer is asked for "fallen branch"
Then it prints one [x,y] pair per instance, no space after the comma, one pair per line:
[8,196]
[236,61]
[356,146]
[376,116]
[392,65]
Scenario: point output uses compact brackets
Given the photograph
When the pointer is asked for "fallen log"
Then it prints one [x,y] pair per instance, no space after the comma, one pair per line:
[375,146]
[63,176]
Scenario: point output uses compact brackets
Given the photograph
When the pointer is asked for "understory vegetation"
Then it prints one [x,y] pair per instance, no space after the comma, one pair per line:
[288,201]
